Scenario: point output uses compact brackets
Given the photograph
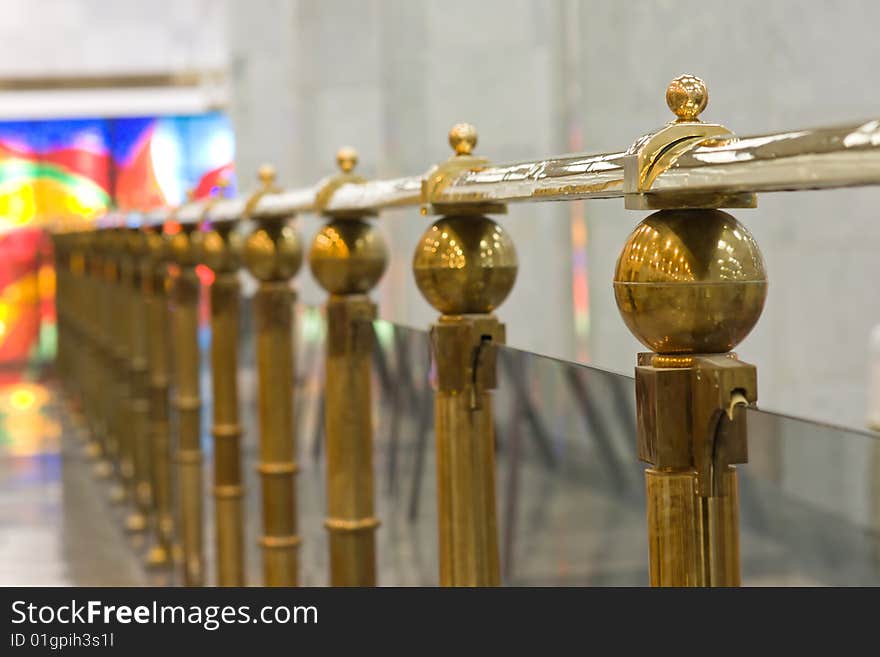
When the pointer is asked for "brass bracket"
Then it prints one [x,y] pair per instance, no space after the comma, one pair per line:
[328,188]
[220,249]
[657,152]
[464,348]
[442,175]
[267,186]
[691,414]
[208,206]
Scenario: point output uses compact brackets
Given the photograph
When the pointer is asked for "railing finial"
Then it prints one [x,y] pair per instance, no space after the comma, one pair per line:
[347,159]
[687,96]
[463,138]
[266,174]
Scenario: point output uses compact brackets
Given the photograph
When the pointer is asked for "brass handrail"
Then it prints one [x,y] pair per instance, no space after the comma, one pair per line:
[820,158]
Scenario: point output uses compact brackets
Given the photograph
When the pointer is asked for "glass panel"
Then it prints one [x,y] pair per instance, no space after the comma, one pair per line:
[809,496]
[810,504]
[571,492]
[406,481]
[571,505]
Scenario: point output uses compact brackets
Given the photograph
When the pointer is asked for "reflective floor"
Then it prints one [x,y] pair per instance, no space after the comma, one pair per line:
[570,490]
[56,526]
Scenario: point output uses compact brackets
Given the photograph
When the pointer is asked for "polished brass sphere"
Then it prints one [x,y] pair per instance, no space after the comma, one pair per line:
[273,252]
[348,256]
[93,242]
[99,239]
[79,241]
[465,264]
[156,245]
[690,281]
[221,249]
[114,241]
[347,159]
[184,247]
[463,138]
[134,242]
[687,96]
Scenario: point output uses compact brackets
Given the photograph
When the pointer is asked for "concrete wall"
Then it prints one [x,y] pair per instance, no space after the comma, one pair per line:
[390,78]
[541,78]
[122,37]
[537,78]
[770,66]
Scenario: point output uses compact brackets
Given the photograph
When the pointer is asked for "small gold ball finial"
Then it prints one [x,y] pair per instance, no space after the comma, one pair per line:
[347,159]
[463,138]
[223,184]
[687,96]
[266,174]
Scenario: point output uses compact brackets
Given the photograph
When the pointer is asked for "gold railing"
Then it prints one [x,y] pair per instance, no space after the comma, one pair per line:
[690,284]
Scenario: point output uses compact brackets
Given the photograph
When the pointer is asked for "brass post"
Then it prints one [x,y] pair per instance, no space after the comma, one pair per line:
[119,324]
[127,411]
[465,266]
[64,300]
[94,382]
[185,289]
[690,285]
[348,257]
[75,264]
[59,258]
[138,372]
[153,279]
[273,254]
[80,388]
[85,382]
[221,247]
[112,399]
[72,346]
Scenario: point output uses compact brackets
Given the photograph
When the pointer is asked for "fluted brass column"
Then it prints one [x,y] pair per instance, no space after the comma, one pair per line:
[120,323]
[78,387]
[94,383]
[131,418]
[113,400]
[690,285]
[60,261]
[187,402]
[465,266]
[348,257]
[76,337]
[273,255]
[153,278]
[221,252]
[138,372]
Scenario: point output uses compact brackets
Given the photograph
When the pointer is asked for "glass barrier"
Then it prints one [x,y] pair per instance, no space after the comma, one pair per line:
[809,496]
[810,504]
[571,505]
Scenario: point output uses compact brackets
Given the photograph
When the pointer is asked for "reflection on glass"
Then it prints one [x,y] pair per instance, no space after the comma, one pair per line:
[571,503]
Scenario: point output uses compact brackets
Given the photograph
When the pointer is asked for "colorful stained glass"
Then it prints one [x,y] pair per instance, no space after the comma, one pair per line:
[53,170]
[159,160]
[57,171]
